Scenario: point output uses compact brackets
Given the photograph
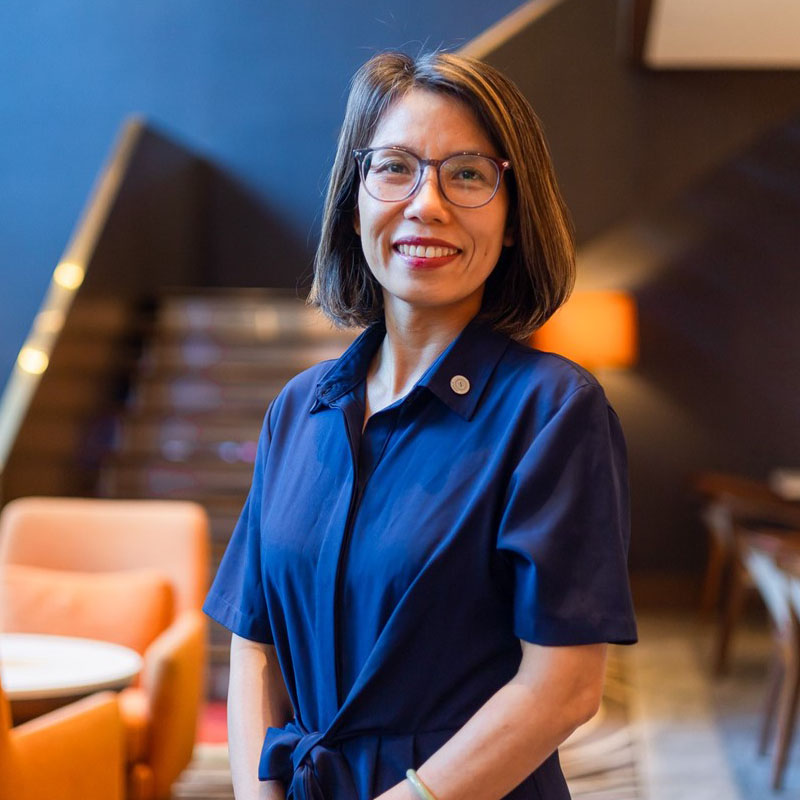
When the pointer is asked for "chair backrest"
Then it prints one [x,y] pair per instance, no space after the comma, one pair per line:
[7,766]
[748,499]
[5,719]
[99,535]
[718,519]
[770,580]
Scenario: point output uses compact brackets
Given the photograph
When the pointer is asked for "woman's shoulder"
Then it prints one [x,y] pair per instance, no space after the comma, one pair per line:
[305,382]
[548,377]
[549,388]
[299,391]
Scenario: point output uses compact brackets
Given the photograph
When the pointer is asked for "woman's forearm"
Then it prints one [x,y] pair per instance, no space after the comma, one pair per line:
[257,699]
[516,729]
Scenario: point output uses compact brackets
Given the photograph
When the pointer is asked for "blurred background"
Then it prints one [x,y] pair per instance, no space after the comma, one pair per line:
[162,174]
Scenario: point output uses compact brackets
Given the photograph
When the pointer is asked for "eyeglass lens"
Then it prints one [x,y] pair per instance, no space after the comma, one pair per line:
[466,180]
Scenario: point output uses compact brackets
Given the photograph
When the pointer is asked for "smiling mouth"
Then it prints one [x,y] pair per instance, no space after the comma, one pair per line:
[420,251]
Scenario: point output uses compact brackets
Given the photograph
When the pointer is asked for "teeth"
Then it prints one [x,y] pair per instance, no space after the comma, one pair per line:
[418,251]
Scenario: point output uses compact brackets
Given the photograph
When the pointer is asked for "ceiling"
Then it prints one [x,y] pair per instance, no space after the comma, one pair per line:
[723,34]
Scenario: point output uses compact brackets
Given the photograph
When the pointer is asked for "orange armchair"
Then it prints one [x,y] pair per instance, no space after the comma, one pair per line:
[74,753]
[127,551]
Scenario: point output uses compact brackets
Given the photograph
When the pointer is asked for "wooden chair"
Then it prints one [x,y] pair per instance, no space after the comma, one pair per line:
[728,501]
[150,559]
[763,553]
[74,753]
[789,562]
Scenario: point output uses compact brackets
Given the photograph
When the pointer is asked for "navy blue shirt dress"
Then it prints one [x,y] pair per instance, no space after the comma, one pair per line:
[396,570]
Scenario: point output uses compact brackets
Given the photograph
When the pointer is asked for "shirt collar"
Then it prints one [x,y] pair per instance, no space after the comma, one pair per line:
[457,377]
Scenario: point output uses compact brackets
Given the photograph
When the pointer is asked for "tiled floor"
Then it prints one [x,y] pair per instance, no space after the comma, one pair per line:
[683,755]
[699,734]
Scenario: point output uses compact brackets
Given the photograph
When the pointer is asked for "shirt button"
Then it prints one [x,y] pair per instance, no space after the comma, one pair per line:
[459,384]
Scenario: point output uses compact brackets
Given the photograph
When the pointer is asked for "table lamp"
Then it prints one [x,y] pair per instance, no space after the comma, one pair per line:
[594,328]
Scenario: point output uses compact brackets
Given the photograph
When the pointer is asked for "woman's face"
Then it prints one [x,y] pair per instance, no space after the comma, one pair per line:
[432,125]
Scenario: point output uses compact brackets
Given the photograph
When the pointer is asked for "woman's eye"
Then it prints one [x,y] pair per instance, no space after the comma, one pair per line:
[467,173]
[394,167]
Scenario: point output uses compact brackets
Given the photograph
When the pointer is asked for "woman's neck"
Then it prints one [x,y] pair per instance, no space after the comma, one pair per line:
[414,340]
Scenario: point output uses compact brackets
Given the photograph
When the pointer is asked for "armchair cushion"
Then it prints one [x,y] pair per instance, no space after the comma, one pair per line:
[130,607]
[73,753]
[134,707]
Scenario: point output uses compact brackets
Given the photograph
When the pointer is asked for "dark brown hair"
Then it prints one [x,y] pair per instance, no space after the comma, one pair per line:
[533,277]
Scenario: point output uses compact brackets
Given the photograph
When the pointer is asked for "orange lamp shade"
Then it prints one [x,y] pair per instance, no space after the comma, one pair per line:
[596,329]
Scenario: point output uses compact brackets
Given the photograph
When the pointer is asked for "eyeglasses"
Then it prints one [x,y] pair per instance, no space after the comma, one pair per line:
[392,174]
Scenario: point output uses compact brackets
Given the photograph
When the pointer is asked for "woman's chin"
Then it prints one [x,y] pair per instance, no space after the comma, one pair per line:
[430,302]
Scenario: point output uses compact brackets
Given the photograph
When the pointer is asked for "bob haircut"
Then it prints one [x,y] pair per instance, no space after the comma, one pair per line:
[533,277]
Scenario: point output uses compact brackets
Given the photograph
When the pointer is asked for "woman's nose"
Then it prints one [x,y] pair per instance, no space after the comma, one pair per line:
[427,203]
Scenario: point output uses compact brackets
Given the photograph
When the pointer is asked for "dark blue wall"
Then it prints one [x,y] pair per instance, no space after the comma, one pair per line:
[258,87]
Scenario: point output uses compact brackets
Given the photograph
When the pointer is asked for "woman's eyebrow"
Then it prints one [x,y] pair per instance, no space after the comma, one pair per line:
[406,149]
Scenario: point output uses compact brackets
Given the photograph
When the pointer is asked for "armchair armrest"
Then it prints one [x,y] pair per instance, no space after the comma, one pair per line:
[173,680]
[71,753]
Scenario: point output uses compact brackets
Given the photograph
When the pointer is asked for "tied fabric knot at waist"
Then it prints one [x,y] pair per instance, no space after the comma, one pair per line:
[304,761]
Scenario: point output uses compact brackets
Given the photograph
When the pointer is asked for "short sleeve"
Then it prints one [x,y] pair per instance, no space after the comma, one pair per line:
[236,599]
[565,528]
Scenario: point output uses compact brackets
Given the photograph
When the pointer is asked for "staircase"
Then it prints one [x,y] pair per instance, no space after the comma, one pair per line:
[212,364]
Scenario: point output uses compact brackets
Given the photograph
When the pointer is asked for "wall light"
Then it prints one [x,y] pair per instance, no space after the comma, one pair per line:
[32,360]
[594,328]
[69,275]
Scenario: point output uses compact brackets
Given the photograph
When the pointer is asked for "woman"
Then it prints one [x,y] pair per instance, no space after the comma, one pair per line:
[432,556]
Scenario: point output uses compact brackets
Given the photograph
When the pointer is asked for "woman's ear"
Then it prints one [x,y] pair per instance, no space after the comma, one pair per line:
[356,223]
[508,238]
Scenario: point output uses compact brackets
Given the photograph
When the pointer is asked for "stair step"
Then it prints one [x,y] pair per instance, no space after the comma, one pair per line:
[67,395]
[168,480]
[109,486]
[247,338]
[197,394]
[201,418]
[96,315]
[222,524]
[227,372]
[61,438]
[48,475]
[206,469]
[178,439]
[262,315]
[91,355]
[205,354]
[223,506]
[218,547]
